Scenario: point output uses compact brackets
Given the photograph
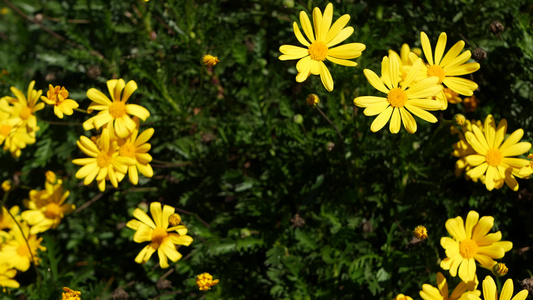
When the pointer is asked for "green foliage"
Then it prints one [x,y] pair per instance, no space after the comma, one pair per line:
[278,209]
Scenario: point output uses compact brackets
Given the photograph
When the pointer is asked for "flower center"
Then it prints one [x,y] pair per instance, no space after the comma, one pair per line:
[5,130]
[467,248]
[436,70]
[103,160]
[397,97]
[117,109]
[318,50]
[127,150]
[52,210]
[22,250]
[494,157]
[158,235]
[25,113]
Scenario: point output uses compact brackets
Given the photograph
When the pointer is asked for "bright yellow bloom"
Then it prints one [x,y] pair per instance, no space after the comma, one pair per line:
[135,146]
[158,233]
[401,100]
[69,294]
[490,292]
[205,281]
[57,96]
[25,108]
[6,221]
[420,232]
[104,162]
[494,158]
[46,208]
[6,276]
[210,60]
[18,139]
[319,43]
[461,291]
[16,252]
[448,67]
[471,242]
[115,113]
[462,148]
[402,297]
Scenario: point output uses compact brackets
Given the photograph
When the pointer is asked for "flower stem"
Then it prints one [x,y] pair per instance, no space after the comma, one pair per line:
[330,122]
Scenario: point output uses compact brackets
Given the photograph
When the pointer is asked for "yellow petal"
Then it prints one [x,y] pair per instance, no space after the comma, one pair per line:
[452,53]
[462,69]
[408,121]
[325,76]
[347,51]
[343,62]
[299,35]
[306,26]
[439,49]
[426,47]
[374,80]
[138,111]
[143,217]
[381,120]
[343,35]
[336,28]
[131,86]
[155,210]
[365,101]
[517,149]
[395,121]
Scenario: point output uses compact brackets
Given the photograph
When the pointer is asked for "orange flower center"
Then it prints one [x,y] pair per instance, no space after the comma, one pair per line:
[103,160]
[25,113]
[117,109]
[5,130]
[22,250]
[467,248]
[397,97]
[436,70]
[128,150]
[52,210]
[158,235]
[318,51]
[494,157]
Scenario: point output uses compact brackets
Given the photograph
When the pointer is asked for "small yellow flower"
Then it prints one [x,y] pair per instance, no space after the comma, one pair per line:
[402,297]
[499,269]
[6,185]
[461,291]
[490,292]
[57,96]
[321,45]
[312,100]
[16,252]
[471,242]
[156,231]
[174,219]
[420,232]
[115,113]
[136,147]
[210,60]
[205,281]
[69,294]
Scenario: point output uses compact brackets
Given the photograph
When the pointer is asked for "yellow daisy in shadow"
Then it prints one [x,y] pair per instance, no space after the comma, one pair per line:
[471,242]
[25,107]
[16,252]
[461,291]
[402,99]
[156,231]
[494,156]
[447,67]
[319,43]
[115,112]
[490,292]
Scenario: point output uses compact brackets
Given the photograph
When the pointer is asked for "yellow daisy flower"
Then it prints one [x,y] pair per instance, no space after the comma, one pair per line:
[210,60]
[471,242]
[527,170]
[135,146]
[69,294]
[46,208]
[461,291]
[57,96]
[156,231]
[494,158]
[115,113]
[402,297]
[104,162]
[6,276]
[401,100]
[319,43]
[25,107]
[448,67]
[490,292]
[16,252]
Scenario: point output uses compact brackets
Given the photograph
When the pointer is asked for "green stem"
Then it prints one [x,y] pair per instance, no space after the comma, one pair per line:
[330,122]
[80,110]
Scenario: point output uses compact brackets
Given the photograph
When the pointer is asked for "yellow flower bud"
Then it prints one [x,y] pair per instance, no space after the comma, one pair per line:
[420,232]
[205,281]
[499,269]
[6,185]
[210,60]
[459,119]
[313,100]
[174,220]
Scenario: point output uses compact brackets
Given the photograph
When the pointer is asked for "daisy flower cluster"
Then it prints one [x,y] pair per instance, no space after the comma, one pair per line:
[120,148]
[471,244]
[20,245]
